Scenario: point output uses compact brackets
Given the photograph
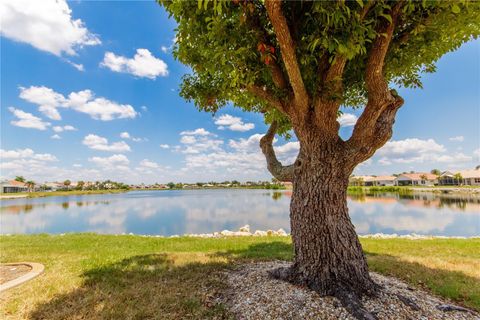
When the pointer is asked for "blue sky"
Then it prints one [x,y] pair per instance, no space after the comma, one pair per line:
[92,94]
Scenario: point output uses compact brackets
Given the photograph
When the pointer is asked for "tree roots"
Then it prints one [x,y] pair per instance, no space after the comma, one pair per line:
[349,297]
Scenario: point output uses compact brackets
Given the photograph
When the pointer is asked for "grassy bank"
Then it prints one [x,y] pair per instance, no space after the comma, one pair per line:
[413,189]
[396,189]
[118,277]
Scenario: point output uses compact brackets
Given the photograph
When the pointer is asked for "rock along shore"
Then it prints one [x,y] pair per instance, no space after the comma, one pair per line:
[245,232]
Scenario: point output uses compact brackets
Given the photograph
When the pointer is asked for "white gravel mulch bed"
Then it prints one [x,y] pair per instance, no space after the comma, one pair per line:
[253,294]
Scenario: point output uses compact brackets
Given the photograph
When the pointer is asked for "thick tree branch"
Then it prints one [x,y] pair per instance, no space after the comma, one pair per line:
[326,107]
[366,8]
[282,173]
[277,76]
[379,95]
[253,21]
[268,97]
[287,49]
[377,86]
[381,133]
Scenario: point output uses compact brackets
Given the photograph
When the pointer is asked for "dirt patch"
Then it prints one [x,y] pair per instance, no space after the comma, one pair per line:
[11,272]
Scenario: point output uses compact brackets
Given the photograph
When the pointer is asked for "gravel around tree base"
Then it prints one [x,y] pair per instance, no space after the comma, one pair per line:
[253,294]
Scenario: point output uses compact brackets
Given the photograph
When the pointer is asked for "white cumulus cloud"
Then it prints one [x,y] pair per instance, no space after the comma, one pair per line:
[126,135]
[457,138]
[100,143]
[415,150]
[347,119]
[112,161]
[26,154]
[64,128]
[47,25]
[84,101]
[227,121]
[143,64]
[27,120]
[196,132]
[149,164]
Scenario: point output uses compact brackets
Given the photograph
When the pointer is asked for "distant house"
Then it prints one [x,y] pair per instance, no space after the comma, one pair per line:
[384,181]
[54,186]
[416,179]
[12,186]
[468,177]
[287,184]
[471,177]
[361,181]
[447,178]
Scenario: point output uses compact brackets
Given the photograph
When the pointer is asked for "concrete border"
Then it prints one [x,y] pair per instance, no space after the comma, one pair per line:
[37,269]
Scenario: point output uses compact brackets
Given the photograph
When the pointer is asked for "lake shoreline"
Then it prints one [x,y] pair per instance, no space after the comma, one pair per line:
[43,194]
[226,234]
[471,191]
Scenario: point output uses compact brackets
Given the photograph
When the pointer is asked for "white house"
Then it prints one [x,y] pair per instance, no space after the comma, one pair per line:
[12,186]
[468,177]
[416,179]
[471,177]
[384,181]
[360,181]
[54,186]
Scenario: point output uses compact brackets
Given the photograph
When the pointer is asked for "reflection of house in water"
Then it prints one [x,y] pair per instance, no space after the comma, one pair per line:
[17,209]
[12,186]
[390,199]
[465,203]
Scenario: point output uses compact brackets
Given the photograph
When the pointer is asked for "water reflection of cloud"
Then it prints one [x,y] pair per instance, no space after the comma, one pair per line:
[203,211]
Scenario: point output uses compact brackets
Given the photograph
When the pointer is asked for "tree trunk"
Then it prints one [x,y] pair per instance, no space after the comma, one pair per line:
[328,255]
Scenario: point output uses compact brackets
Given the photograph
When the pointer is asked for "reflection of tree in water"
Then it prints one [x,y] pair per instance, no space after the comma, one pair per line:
[453,202]
[80,203]
[21,208]
[359,197]
[65,205]
[425,200]
[276,195]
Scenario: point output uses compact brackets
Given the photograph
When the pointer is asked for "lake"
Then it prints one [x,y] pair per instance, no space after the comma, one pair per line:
[170,212]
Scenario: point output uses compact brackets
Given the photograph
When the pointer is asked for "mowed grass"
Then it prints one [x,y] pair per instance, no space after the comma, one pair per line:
[90,276]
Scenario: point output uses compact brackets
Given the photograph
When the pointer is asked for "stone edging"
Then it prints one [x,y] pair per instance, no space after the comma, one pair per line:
[37,269]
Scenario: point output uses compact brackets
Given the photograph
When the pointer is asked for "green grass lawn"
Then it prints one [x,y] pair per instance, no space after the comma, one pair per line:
[91,276]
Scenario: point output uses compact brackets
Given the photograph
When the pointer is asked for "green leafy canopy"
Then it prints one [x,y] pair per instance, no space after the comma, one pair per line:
[231,44]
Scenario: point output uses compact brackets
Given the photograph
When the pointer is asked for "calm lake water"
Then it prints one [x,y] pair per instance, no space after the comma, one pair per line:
[203,211]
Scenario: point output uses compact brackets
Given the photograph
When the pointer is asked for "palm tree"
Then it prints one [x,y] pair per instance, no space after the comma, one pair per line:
[30,185]
[20,179]
[458,177]
[80,185]
[424,178]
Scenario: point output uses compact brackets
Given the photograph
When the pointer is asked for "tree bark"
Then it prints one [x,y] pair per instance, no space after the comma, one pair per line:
[328,254]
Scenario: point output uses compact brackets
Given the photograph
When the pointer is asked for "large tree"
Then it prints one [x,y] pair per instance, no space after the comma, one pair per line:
[297,63]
